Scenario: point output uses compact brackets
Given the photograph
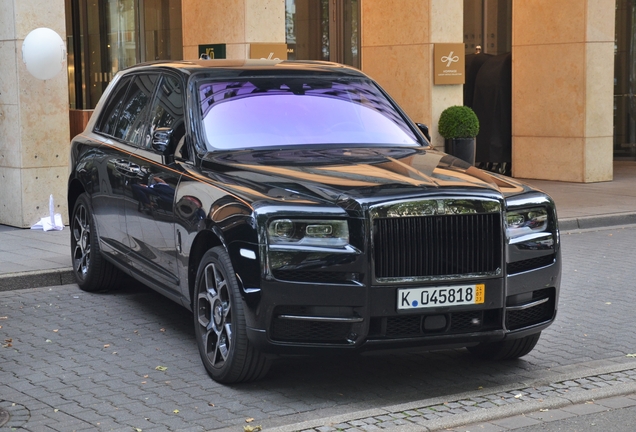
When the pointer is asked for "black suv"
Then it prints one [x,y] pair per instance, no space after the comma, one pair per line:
[295,209]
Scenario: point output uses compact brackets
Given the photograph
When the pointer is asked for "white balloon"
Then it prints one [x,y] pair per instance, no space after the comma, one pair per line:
[43,52]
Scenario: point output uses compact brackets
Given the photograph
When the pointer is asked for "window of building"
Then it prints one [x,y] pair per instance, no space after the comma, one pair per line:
[625,81]
[488,26]
[106,36]
[323,30]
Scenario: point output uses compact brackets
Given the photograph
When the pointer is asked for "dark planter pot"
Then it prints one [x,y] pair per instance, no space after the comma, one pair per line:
[462,148]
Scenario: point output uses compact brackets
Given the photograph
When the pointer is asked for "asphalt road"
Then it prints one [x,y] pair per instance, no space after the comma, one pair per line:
[619,420]
[70,360]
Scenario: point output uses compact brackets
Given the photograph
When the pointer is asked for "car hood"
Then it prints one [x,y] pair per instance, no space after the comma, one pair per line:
[362,174]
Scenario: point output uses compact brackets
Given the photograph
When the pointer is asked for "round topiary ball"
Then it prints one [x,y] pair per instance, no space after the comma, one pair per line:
[458,122]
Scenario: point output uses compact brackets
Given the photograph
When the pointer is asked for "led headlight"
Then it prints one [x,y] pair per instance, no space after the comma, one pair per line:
[324,233]
[526,221]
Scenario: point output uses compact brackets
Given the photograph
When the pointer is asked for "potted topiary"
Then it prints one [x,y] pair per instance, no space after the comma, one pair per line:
[459,126]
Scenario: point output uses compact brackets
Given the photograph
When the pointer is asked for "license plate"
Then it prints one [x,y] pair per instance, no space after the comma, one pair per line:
[418,298]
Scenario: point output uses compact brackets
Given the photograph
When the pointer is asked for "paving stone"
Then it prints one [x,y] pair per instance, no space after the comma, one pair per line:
[550,415]
[516,422]
[583,409]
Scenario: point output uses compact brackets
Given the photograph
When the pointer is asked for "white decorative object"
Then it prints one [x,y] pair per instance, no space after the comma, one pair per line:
[51,223]
[43,52]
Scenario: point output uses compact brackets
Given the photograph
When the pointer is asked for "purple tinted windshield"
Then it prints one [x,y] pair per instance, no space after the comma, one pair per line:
[280,111]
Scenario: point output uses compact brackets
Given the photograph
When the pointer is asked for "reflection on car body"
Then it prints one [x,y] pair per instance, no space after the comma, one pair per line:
[295,209]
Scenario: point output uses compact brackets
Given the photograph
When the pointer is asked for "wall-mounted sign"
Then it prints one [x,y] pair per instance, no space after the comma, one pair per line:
[277,51]
[213,51]
[450,60]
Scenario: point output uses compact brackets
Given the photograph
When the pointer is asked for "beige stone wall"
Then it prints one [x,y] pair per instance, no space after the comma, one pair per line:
[34,121]
[397,51]
[562,106]
[236,23]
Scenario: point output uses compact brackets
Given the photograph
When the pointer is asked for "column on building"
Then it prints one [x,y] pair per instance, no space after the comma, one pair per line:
[397,51]
[34,119]
[231,22]
[562,87]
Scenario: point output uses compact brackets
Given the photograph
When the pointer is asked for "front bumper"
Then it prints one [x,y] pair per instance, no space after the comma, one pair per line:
[302,318]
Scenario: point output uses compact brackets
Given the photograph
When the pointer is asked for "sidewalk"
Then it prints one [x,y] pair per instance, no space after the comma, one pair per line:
[32,258]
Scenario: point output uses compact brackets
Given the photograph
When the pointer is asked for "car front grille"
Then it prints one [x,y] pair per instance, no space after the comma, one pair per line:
[439,245]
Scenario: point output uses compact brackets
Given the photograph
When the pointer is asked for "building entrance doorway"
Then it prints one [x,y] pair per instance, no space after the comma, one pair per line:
[625,81]
[488,86]
[326,30]
[107,36]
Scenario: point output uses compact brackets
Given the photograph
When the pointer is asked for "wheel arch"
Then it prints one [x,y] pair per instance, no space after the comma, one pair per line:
[204,241]
[75,189]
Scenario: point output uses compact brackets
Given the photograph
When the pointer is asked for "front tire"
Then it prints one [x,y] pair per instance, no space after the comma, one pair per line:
[92,272]
[219,323]
[507,349]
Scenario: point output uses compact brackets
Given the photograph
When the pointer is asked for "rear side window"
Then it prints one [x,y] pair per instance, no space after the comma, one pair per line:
[110,114]
[131,125]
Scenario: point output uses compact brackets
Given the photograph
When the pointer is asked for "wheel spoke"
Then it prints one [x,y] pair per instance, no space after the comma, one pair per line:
[203,312]
[210,282]
[228,332]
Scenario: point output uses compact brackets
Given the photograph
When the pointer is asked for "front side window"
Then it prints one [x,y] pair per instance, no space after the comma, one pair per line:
[283,111]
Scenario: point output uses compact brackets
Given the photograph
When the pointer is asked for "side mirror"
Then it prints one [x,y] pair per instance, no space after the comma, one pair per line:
[161,139]
[424,130]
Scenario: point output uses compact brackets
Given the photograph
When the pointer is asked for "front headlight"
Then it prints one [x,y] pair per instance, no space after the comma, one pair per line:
[323,233]
[526,221]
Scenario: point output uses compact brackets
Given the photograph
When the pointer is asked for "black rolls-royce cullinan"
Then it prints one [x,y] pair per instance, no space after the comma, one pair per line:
[294,208]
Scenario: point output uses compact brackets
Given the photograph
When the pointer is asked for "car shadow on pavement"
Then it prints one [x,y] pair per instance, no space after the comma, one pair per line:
[381,376]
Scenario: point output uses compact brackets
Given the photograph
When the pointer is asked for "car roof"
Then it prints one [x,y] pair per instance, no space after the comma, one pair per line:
[247,67]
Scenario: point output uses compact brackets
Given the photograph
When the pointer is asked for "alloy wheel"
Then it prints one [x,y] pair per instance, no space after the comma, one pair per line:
[215,315]
[81,241]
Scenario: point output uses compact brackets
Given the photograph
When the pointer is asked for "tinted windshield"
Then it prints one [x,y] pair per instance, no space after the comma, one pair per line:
[279,111]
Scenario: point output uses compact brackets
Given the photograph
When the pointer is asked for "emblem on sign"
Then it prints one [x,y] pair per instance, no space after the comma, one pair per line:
[450,58]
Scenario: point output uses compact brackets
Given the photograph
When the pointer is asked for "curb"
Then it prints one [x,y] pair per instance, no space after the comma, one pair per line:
[587,222]
[36,279]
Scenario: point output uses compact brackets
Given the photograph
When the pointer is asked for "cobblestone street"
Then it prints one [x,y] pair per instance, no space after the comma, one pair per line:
[128,360]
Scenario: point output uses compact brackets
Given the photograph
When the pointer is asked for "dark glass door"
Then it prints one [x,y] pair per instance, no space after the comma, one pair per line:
[624,81]
[326,30]
[488,26]
[105,37]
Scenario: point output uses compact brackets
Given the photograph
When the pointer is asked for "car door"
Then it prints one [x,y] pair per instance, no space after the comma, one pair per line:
[150,214]
[107,161]
[126,130]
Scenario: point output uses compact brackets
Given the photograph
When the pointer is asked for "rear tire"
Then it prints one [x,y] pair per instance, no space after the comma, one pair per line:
[507,349]
[92,272]
[219,323]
